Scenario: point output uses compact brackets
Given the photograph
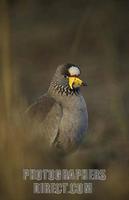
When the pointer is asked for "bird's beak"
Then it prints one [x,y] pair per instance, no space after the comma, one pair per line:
[76,82]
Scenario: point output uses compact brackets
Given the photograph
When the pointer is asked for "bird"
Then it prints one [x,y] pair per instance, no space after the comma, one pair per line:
[61,112]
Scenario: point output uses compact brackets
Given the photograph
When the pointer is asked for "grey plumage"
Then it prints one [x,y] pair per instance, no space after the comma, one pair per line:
[61,112]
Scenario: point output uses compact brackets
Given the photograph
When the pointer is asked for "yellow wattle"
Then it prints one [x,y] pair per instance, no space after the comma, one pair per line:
[75,81]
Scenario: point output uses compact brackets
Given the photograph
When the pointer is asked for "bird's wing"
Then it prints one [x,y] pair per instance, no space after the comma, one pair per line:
[48,113]
[41,107]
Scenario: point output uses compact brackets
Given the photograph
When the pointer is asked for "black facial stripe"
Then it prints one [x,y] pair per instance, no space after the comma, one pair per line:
[74,75]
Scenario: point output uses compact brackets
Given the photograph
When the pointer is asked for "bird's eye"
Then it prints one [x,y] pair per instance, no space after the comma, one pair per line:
[65,76]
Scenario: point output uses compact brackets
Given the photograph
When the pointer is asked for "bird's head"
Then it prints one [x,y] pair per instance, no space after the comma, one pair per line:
[67,79]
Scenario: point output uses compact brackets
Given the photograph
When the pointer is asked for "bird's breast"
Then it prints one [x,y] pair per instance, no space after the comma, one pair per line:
[74,123]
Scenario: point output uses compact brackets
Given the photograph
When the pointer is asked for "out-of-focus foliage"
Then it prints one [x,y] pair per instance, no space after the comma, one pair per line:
[35,37]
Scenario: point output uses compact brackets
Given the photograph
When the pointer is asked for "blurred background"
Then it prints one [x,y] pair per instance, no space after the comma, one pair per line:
[35,37]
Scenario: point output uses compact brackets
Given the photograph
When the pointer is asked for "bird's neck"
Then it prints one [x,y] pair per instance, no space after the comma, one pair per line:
[57,89]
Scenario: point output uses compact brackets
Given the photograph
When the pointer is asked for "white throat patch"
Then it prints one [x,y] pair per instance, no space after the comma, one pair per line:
[74,71]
